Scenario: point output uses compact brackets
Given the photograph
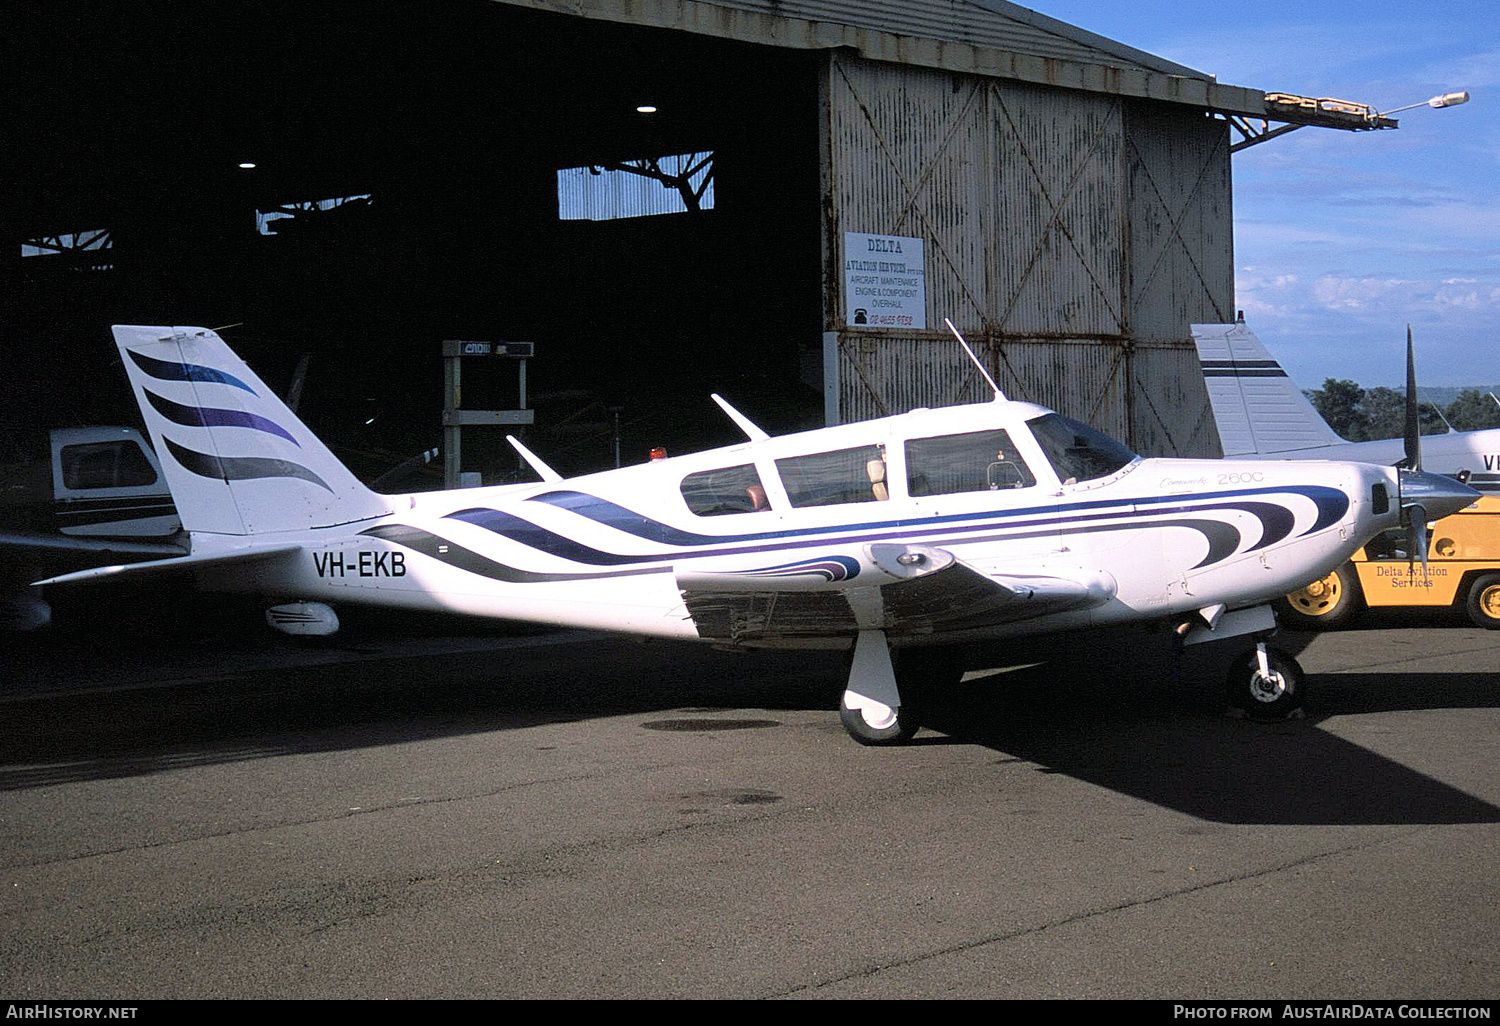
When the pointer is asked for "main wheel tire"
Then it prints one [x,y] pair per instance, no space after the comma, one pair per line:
[1272,697]
[1329,602]
[1484,601]
[869,729]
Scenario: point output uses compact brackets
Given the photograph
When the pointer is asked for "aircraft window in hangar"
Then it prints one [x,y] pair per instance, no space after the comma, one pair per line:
[1076,451]
[714,493]
[974,461]
[636,188]
[829,478]
[105,465]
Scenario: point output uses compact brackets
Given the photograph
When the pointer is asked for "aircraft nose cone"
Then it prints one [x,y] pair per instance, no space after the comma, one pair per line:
[1437,494]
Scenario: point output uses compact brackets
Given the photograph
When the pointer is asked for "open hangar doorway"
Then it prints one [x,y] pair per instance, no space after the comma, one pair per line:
[458,170]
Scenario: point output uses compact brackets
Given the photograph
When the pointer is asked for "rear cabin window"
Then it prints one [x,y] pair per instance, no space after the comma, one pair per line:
[118,464]
[1076,451]
[716,493]
[830,478]
[975,461]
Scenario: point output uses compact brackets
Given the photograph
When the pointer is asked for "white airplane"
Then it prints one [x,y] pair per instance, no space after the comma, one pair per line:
[914,533]
[1262,414]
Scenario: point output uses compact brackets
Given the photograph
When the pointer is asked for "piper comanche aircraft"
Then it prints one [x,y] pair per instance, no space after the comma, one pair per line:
[913,534]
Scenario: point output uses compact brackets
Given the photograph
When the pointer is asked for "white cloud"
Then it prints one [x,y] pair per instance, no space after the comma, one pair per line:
[1336,293]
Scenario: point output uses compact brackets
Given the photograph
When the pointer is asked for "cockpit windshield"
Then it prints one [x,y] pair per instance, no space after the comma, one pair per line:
[1076,451]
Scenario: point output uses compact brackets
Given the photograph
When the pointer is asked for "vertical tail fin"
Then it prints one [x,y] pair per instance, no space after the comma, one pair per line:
[1257,407]
[236,459]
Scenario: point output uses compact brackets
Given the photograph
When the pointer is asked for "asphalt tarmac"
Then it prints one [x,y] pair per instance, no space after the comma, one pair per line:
[403,812]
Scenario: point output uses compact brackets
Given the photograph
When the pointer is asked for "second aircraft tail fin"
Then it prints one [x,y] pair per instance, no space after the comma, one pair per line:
[1257,407]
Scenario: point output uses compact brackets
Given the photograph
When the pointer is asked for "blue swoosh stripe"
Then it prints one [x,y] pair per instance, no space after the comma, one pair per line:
[456,555]
[165,371]
[830,568]
[240,468]
[1276,523]
[534,536]
[209,416]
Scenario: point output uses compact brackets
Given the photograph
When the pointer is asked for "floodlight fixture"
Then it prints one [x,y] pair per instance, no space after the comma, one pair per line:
[1437,102]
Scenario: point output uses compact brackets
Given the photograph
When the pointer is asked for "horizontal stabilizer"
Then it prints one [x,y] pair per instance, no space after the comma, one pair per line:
[83,544]
[223,557]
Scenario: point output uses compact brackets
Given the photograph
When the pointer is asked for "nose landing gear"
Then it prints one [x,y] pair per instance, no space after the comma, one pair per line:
[1266,683]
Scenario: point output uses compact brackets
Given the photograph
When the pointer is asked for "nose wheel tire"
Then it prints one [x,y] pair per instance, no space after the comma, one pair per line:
[1331,601]
[1269,693]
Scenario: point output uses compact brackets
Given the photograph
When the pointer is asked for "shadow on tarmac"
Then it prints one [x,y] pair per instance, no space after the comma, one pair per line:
[1112,710]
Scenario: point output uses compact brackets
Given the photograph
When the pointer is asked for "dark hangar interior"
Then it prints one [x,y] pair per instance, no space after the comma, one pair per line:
[410,157]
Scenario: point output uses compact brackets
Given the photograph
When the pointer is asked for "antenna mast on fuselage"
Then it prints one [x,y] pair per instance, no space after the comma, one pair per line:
[999,395]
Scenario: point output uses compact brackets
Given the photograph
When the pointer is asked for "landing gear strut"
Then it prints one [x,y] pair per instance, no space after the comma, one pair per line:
[1266,683]
[871,708]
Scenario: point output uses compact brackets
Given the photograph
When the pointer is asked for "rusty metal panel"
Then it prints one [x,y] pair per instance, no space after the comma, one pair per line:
[1150,396]
[1058,197]
[909,153]
[1171,415]
[880,375]
[1072,236]
[1079,378]
[1181,224]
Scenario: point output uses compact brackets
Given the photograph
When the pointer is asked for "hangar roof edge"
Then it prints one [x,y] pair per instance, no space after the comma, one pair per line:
[985,37]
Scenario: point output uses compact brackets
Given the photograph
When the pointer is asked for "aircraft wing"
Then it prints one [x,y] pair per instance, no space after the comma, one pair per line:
[904,590]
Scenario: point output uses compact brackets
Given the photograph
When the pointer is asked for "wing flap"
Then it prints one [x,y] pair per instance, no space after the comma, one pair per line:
[903,590]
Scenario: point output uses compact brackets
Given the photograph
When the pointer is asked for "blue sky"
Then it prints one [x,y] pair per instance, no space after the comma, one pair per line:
[1343,238]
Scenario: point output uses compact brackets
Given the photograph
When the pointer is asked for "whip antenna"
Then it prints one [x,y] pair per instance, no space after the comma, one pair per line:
[961,341]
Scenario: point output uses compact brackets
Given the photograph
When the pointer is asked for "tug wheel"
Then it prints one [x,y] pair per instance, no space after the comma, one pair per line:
[1484,601]
[1328,602]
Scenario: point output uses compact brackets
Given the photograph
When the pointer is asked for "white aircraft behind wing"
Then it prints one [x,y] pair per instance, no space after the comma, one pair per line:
[1262,414]
[915,534]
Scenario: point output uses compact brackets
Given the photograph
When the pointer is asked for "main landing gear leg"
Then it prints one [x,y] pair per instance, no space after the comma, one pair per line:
[1266,683]
[871,708]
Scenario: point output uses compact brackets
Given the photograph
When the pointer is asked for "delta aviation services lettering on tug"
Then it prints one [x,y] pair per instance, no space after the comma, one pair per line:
[900,539]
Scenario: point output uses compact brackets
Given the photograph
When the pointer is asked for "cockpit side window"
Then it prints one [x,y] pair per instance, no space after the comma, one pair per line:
[974,461]
[829,478]
[715,493]
[112,464]
[1076,451]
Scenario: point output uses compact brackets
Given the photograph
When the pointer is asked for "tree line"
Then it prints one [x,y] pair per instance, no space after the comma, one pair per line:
[1358,414]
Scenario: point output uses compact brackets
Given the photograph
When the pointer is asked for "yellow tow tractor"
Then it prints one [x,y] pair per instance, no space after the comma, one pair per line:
[1463,567]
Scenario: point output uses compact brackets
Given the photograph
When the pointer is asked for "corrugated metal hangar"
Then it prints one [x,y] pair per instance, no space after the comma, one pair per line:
[780,200]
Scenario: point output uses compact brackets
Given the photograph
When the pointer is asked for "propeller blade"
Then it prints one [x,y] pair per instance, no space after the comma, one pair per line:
[1413,430]
[1417,534]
